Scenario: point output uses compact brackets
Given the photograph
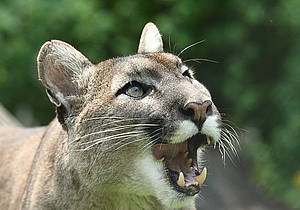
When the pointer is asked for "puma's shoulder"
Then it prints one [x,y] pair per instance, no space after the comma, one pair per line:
[18,147]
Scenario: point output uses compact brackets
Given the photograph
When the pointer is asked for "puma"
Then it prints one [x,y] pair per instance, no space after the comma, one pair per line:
[129,133]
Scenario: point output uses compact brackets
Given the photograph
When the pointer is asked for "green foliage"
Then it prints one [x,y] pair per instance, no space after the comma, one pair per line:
[256,80]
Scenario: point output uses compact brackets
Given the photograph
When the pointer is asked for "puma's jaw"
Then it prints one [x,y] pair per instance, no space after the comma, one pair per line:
[153,173]
[154,182]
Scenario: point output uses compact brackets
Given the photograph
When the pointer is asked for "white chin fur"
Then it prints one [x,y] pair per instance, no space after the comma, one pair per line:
[210,128]
[156,183]
[185,130]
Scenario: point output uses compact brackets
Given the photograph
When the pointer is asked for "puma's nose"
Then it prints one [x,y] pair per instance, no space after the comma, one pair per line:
[199,111]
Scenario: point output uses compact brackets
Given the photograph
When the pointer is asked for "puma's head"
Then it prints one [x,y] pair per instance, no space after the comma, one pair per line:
[136,124]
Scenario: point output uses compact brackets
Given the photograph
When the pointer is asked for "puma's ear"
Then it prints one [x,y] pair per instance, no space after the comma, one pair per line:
[63,72]
[150,41]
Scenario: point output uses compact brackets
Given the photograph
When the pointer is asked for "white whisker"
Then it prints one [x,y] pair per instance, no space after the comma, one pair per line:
[131,142]
[200,59]
[90,168]
[227,139]
[141,139]
[109,138]
[115,136]
[192,45]
[152,141]
[112,117]
[118,128]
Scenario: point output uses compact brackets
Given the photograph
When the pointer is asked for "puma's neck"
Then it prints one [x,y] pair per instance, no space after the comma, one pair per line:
[63,186]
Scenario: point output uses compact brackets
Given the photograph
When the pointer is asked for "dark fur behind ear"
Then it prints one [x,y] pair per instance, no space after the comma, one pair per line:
[60,110]
[62,115]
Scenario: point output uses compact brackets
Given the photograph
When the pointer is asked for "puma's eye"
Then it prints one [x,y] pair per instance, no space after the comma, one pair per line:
[188,76]
[135,90]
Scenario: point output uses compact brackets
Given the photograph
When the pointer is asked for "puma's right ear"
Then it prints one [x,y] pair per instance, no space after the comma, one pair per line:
[63,72]
[150,41]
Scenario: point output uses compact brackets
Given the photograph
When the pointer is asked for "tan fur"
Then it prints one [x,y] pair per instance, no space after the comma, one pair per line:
[58,167]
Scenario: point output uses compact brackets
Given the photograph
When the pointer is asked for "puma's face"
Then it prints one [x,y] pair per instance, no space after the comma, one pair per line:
[136,124]
[177,118]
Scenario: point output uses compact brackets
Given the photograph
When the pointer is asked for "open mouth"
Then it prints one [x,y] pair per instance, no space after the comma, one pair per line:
[180,161]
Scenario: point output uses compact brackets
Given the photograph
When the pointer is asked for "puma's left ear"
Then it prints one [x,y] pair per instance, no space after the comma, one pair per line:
[150,41]
[63,71]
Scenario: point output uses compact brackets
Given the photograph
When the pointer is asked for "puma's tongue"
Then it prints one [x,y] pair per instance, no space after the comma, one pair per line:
[169,151]
[175,155]
[180,159]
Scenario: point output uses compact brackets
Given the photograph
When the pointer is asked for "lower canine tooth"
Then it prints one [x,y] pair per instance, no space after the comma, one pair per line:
[162,159]
[208,140]
[189,161]
[201,178]
[180,180]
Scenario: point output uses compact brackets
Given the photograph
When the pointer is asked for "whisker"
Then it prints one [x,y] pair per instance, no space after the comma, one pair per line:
[90,168]
[118,128]
[169,42]
[219,148]
[233,135]
[148,145]
[119,142]
[151,136]
[109,138]
[131,142]
[226,152]
[194,61]
[113,117]
[174,48]
[104,139]
[235,139]
[227,125]
[152,141]
[227,139]
[200,59]
[223,153]
[228,155]
[115,122]
[192,45]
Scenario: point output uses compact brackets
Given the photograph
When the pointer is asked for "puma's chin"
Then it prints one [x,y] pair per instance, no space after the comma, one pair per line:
[171,171]
[155,182]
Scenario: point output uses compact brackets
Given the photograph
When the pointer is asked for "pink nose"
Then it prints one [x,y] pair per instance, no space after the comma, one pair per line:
[199,111]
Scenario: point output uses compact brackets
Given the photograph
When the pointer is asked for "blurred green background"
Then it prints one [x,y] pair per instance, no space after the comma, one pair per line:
[256,82]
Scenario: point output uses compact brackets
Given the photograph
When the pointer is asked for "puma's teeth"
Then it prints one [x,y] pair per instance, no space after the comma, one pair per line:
[186,154]
[162,159]
[201,178]
[208,140]
[189,161]
[180,180]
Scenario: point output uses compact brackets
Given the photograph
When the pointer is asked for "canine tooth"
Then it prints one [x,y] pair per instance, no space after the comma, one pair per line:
[189,161]
[208,140]
[162,159]
[201,178]
[180,180]
[186,154]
